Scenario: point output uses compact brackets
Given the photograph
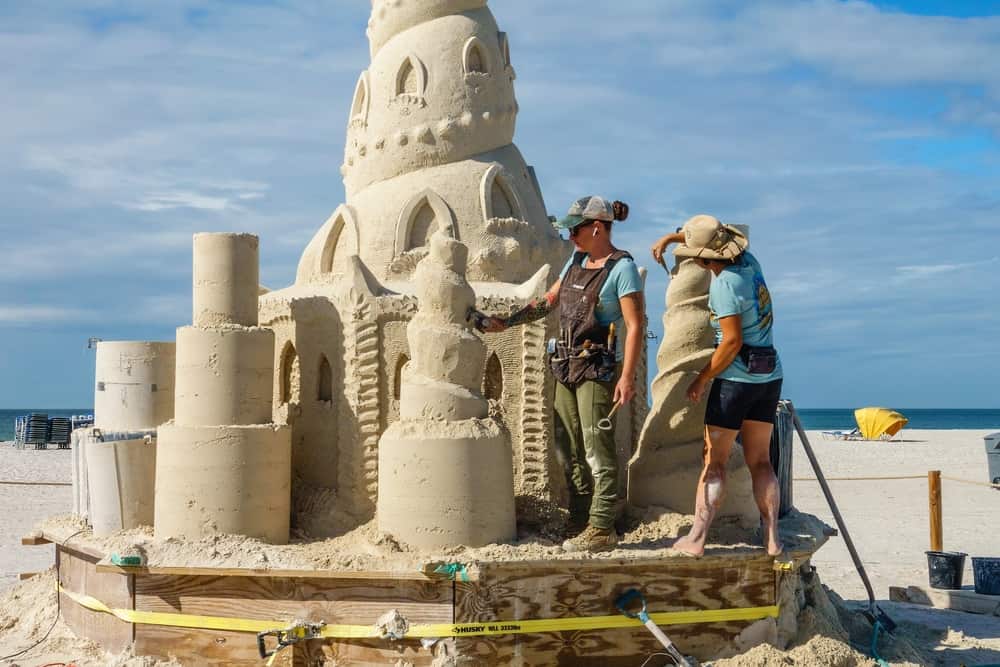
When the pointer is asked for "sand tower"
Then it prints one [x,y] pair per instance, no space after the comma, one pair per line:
[222,466]
[445,475]
[668,460]
[114,463]
[430,147]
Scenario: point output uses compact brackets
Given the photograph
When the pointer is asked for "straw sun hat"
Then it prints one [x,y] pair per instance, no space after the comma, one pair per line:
[707,238]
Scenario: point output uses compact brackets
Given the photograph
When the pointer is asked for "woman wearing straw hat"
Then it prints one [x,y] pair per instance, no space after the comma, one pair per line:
[599,300]
[745,368]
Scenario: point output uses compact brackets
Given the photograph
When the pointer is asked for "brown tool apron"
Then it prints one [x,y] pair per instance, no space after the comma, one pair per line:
[583,350]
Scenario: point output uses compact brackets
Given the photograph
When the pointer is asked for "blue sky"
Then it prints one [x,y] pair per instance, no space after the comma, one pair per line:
[859,140]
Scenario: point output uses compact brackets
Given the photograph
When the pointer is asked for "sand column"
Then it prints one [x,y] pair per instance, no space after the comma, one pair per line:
[223,467]
[667,464]
[445,468]
[112,472]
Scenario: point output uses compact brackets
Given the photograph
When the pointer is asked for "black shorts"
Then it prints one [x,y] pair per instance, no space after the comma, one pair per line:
[730,403]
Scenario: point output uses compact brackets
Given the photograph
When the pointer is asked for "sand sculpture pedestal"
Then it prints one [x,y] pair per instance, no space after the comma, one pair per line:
[222,466]
[445,468]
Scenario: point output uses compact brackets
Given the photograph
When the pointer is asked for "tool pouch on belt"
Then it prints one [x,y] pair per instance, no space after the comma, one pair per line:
[571,366]
[585,349]
[759,360]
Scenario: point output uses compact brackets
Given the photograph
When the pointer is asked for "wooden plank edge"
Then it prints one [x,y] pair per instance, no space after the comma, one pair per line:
[106,566]
[28,575]
[34,540]
[955,600]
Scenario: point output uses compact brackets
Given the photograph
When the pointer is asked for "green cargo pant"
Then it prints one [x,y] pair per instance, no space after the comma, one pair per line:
[593,462]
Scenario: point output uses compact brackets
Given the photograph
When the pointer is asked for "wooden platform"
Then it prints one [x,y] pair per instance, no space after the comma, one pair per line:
[502,591]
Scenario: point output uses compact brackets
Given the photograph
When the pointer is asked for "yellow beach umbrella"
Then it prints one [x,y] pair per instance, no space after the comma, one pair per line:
[876,423]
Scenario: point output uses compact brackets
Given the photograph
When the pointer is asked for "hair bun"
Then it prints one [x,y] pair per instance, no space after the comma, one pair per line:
[620,210]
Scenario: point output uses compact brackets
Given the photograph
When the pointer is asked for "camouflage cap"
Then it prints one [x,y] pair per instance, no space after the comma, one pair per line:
[587,208]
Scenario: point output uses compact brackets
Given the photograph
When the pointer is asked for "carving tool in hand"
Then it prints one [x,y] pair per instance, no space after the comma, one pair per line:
[605,424]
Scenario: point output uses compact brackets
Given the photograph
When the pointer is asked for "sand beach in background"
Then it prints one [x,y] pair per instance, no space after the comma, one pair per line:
[887,519]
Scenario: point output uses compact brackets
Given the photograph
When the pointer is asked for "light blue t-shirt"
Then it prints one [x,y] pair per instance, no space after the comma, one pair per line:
[623,279]
[740,290]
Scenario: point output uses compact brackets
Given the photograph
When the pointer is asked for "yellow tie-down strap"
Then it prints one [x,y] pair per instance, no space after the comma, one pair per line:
[435,630]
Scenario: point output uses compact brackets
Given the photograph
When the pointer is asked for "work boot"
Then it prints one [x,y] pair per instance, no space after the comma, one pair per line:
[593,539]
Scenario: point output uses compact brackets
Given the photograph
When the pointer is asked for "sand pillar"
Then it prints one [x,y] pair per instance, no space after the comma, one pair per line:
[222,466]
[133,391]
[134,388]
[445,468]
[668,461]
[226,279]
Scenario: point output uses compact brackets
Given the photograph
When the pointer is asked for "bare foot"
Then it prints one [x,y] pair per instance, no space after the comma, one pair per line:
[775,549]
[689,547]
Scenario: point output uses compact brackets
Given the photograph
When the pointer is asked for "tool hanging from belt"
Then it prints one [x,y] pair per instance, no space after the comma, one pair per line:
[585,349]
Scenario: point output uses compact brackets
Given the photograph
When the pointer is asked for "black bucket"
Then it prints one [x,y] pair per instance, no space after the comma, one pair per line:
[946,569]
[986,572]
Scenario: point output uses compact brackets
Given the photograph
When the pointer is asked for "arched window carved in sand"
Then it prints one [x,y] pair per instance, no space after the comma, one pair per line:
[497,198]
[412,78]
[397,376]
[475,57]
[324,381]
[341,241]
[362,99]
[290,374]
[425,214]
[493,378]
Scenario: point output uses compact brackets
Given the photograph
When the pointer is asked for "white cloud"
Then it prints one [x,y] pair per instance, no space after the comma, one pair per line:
[24,315]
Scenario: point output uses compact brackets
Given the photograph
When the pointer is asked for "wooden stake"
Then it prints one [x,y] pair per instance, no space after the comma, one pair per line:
[934,502]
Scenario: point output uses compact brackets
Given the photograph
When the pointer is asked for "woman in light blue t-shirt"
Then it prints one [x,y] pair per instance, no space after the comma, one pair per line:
[744,372]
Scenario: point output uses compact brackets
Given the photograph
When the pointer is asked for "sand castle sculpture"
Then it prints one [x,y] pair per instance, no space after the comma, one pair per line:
[445,475]
[429,151]
[360,394]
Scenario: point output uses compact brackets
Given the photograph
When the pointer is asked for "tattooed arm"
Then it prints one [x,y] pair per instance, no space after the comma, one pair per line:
[536,310]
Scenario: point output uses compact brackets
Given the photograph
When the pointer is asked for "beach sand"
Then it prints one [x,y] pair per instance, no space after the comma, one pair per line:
[887,519]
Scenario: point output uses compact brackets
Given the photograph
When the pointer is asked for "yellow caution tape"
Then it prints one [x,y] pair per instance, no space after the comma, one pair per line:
[489,628]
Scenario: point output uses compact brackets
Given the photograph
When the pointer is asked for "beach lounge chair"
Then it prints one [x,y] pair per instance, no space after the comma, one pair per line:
[842,435]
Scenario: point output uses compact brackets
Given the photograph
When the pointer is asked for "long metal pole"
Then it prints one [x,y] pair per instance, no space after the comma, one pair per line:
[832,503]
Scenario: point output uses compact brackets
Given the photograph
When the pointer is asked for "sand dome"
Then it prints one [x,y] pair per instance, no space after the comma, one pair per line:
[391,17]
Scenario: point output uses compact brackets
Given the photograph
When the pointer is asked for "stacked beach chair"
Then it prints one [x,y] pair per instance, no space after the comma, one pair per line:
[36,430]
[60,429]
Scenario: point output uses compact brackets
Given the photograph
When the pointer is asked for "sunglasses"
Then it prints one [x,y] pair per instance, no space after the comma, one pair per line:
[579,228]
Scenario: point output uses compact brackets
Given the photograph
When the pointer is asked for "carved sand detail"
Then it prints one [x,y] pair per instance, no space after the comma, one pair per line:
[665,469]
[445,474]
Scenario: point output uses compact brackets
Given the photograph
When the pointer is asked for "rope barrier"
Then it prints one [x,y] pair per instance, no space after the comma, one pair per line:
[18,483]
[969,481]
[897,477]
[859,479]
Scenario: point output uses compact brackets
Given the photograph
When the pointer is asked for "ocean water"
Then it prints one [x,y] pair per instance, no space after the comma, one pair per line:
[813,419]
[843,419]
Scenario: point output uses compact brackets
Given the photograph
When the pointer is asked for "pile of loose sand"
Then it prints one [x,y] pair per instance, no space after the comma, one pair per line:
[365,548]
[28,621]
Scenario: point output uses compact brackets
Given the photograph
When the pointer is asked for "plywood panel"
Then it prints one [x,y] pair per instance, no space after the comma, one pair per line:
[352,602]
[590,589]
[77,573]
